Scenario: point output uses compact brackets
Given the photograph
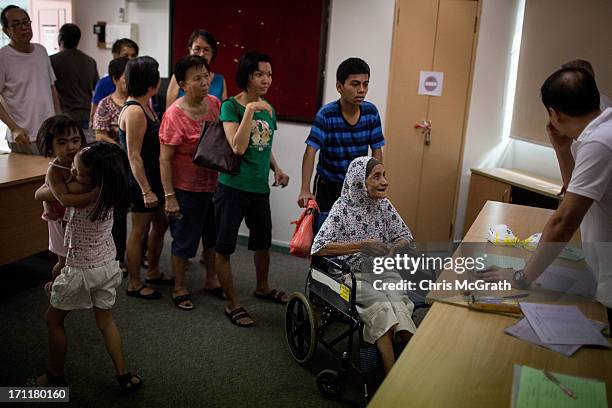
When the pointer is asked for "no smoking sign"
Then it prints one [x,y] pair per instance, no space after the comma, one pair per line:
[430,83]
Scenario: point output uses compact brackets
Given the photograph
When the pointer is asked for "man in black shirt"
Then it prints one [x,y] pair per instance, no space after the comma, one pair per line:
[76,74]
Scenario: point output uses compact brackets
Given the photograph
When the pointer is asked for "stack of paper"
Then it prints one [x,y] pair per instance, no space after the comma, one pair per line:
[531,389]
[578,281]
[560,328]
[524,331]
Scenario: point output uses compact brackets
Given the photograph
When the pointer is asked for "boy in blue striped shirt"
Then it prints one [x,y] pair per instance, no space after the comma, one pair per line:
[342,131]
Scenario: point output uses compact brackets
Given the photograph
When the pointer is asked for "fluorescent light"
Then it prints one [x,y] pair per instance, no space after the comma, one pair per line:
[513,70]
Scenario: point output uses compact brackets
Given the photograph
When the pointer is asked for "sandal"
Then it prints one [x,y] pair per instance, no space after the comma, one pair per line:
[274,295]
[52,381]
[183,298]
[126,384]
[160,280]
[216,292]
[150,296]
[237,314]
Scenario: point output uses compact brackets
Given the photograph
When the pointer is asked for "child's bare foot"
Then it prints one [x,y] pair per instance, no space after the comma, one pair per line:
[47,380]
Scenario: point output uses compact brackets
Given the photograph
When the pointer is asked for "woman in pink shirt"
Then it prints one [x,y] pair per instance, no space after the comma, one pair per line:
[189,189]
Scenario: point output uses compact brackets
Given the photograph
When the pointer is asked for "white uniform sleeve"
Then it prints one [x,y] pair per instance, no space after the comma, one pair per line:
[592,172]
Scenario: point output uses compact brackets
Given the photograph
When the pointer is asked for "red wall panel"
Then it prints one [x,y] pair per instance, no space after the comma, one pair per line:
[292,33]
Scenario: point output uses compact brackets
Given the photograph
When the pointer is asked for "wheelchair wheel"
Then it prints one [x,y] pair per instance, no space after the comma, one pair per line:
[300,327]
[330,385]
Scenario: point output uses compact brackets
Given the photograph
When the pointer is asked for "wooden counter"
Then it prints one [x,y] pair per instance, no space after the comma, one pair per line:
[23,232]
[462,358]
[509,186]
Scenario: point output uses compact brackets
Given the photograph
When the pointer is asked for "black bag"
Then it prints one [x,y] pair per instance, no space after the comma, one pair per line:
[214,151]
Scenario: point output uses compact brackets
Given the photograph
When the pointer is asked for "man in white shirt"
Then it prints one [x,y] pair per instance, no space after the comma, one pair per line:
[581,135]
[26,82]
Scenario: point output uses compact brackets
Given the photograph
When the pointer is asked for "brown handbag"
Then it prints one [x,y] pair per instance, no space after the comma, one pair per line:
[214,151]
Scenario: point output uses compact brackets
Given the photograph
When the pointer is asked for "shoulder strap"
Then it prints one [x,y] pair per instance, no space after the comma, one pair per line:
[131,103]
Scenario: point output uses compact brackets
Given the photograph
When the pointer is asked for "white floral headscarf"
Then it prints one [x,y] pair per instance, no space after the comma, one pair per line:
[356,216]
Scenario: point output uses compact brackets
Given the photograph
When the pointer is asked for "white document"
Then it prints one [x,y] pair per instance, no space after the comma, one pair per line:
[524,331]
[578,281]
[562,324]
[502,261]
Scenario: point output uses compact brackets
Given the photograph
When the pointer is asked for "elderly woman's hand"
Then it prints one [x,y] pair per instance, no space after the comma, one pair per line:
[373,247]
[401,246]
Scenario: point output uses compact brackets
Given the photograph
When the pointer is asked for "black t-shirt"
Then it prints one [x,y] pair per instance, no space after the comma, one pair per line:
[77,75]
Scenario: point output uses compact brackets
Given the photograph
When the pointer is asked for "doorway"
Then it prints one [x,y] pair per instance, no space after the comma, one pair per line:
[423,164]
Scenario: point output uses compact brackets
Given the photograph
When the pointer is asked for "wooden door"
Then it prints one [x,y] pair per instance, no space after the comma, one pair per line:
[430,35]
[47,18]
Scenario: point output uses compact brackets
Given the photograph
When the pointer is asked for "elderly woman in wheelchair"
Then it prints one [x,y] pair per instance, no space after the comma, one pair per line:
[362,225]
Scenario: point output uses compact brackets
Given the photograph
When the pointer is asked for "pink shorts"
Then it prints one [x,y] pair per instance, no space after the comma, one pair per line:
[56,238]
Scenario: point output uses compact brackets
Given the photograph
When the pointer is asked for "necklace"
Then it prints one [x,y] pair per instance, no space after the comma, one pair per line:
[55,164]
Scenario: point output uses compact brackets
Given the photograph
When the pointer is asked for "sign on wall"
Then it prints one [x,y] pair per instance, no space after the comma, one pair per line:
[430,83]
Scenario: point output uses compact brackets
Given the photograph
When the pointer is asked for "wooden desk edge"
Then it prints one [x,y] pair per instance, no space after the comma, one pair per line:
[22,181]
[484,173]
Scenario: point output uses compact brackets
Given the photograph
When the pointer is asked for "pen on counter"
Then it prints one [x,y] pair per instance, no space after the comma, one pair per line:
[563,387]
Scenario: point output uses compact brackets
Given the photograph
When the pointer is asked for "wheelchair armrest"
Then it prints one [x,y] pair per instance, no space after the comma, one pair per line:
[325,264]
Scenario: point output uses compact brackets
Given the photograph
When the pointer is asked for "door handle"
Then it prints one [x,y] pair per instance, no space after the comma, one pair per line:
[425,127]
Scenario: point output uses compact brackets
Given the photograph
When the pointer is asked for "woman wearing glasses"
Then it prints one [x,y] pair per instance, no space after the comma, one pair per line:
[203,44]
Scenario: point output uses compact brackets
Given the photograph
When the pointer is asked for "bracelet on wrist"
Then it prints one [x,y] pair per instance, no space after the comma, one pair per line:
[169,195]
[144,193]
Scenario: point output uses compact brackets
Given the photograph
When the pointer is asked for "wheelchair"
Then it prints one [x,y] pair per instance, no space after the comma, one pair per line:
[329,299]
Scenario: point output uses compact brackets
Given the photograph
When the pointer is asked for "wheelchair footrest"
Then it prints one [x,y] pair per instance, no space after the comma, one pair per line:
[369,358]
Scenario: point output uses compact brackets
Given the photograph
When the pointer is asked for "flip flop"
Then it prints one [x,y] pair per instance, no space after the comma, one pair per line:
[160,280]
[183,298]
[216,292]
[137,294]
[237,314]
[274,295]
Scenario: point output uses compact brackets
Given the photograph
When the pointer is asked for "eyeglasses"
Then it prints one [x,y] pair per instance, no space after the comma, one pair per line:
[24,23]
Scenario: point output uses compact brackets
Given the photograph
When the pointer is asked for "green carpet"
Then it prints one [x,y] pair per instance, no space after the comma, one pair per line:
[187,359]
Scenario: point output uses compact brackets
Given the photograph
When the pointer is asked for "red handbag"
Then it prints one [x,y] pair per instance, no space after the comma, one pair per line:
[301,242]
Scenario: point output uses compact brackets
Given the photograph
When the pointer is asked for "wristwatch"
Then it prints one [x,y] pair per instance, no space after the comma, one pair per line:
[519,279]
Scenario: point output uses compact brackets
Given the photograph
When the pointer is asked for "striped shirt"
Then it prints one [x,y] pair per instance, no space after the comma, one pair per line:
[339,142]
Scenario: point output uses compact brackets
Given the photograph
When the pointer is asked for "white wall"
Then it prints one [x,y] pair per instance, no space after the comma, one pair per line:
[485,144]
[151,16]
[358,28]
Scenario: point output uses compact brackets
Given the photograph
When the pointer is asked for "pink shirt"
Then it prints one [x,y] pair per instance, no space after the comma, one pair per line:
[90,243]
[180,130]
